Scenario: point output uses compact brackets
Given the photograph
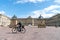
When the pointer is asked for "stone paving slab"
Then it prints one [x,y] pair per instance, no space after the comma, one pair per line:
[32,33]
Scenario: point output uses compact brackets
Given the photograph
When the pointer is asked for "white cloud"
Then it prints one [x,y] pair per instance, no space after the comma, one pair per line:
[55,11]
[52,7]
[2,12]
[47,12]
[37,13]
[32,1]
[57,1]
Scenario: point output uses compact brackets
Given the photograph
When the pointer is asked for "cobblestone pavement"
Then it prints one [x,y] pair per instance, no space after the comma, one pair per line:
[32,33]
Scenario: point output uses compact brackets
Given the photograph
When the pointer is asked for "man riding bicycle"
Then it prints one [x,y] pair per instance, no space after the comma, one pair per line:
[20,26]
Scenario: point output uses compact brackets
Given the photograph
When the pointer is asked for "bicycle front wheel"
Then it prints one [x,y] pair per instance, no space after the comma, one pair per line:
[23,30]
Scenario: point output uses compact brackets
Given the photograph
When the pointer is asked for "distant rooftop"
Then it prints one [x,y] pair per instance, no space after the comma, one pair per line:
[14,17]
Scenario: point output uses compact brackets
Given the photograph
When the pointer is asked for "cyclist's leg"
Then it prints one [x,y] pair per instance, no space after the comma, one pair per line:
[19,29]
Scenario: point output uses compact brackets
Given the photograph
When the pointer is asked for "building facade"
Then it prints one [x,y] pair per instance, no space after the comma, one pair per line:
[31,21]
[4,20]
[27,21]
[54,21]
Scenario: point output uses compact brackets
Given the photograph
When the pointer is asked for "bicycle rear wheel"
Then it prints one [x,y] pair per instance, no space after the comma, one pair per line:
[14,30]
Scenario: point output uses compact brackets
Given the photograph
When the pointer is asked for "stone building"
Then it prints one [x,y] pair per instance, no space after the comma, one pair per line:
[27,21]
[55,20]
[31,21]
[4,20]
[52,21]
[13,21]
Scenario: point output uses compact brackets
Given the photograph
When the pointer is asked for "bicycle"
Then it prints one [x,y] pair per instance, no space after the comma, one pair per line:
[17,29]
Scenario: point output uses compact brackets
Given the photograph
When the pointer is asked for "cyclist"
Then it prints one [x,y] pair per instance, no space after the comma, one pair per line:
[19,26]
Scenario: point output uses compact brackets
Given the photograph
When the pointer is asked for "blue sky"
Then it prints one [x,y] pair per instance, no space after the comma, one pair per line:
[33,8]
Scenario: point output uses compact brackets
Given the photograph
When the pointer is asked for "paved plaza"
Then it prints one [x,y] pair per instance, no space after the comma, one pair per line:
[32,33]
